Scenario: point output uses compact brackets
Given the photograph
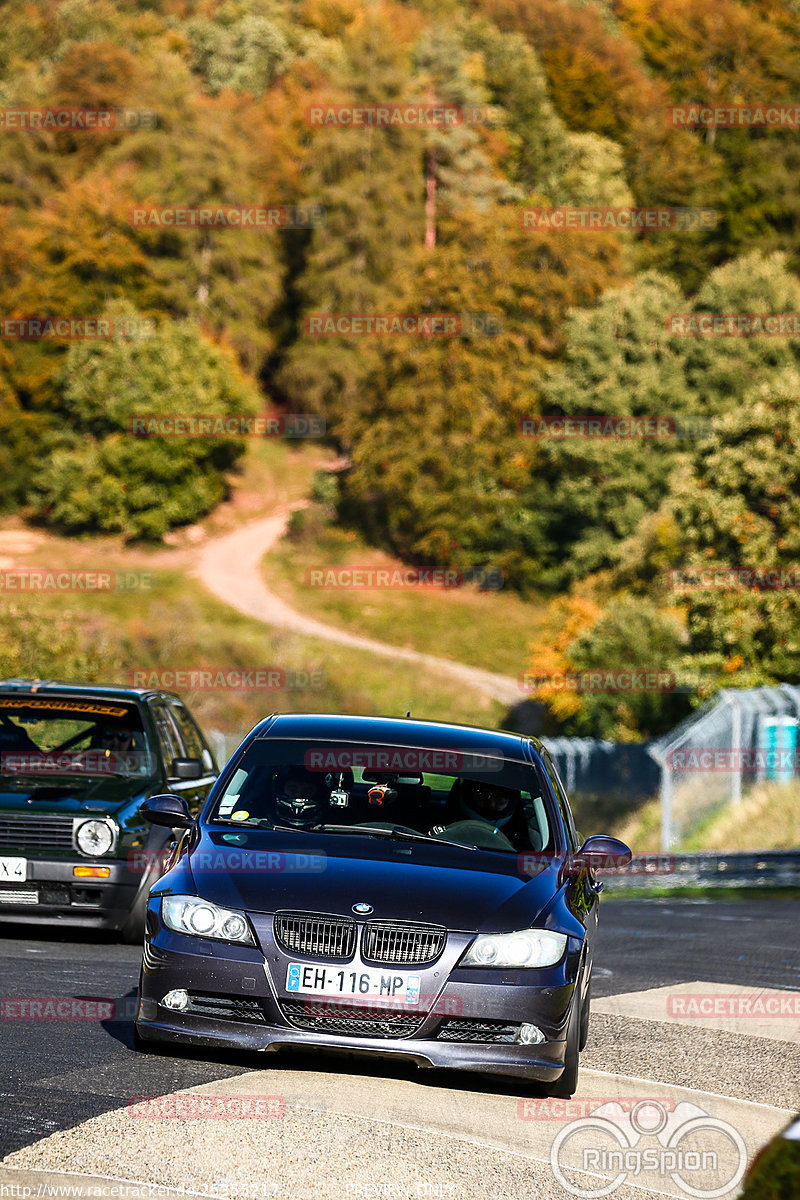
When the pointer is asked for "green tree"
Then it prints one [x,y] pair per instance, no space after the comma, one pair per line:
[371,185]
[99,475]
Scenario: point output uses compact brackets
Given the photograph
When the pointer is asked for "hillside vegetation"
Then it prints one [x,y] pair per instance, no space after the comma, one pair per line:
[572,105]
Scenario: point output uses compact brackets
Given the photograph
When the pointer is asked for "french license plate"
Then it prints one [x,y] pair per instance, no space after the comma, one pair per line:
[307,979]
[13,870]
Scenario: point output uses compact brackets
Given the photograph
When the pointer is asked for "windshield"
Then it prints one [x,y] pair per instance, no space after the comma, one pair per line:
[445,795]
[92,737]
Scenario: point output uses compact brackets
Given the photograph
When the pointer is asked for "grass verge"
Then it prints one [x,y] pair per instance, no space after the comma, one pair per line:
[489,629]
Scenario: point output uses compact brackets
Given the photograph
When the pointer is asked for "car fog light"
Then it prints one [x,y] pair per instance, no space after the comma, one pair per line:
[530,1035]
[178,1000]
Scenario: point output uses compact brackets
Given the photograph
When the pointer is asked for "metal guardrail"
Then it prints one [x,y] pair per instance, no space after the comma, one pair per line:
[704,868]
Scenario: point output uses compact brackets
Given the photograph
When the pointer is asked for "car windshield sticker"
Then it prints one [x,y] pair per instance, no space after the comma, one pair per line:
[241,815]
[227,805]
[71,706]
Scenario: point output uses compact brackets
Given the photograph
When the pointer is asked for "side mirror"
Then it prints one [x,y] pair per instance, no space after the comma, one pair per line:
[170,811]
[603,851]
[186,768]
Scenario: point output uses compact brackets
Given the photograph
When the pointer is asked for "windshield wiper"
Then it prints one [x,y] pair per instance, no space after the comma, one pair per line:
[263,823]
[400,835]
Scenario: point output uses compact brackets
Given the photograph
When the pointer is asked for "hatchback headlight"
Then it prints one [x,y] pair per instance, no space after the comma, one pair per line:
[94,837]
[527,948]
[188,914]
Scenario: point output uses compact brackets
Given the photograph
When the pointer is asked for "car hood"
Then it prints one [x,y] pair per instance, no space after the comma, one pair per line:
[461,889]
[68,797]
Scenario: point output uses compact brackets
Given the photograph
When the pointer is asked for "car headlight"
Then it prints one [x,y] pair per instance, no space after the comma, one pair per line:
[94,837]
[527,948]
[188,914]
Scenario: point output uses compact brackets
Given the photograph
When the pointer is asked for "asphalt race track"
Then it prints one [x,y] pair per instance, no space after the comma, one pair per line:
[73,1121]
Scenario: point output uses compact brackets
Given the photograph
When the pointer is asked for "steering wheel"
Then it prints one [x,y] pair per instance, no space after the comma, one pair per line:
[474,833]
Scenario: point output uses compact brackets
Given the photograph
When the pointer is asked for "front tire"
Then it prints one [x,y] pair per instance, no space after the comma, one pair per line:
[132,931]
[567,1083]
[584,1037]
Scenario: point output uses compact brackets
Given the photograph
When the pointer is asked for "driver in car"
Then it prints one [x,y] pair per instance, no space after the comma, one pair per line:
[114,739]
[499,807]
[299,797]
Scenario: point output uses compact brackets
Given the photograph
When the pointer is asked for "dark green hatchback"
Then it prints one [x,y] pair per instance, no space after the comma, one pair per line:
[76,764]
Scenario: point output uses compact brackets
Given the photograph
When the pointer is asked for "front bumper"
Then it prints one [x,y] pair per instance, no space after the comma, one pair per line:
[64,900]
[245,987]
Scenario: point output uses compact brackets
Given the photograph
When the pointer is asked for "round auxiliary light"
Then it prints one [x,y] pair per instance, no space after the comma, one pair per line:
[530,1035]
[177,1000]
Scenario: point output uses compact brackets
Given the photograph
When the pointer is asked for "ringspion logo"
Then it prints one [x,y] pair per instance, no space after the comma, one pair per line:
[702,1155]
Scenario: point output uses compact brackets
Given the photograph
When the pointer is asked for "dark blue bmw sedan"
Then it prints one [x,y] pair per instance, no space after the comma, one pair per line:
[396,887]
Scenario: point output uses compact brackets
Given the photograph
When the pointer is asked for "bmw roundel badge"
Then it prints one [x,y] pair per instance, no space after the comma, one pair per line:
[363,908]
